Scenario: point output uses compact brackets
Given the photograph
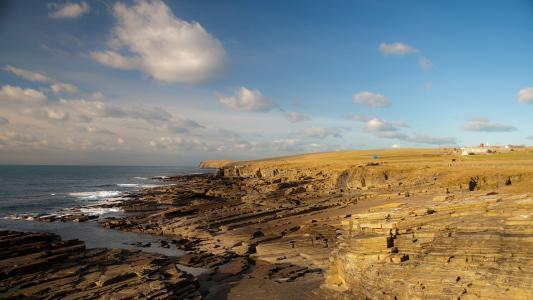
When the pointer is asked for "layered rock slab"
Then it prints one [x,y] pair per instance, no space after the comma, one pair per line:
[42,266]
[466,248]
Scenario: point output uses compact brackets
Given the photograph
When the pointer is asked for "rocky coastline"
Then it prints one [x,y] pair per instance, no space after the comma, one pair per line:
[343,225]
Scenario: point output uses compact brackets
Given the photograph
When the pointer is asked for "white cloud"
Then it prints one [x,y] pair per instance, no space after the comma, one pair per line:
[381,128]
[321,133]
[392,130]
[295,117]
[402,49]
[525,95]
[36,123]
[27,74]
[247,100]
[86,110]
[68,10]
[395,146]
[161,45]
[379,125]
[56,114]
[485,125]
[59,88]
[396,49]
[424,63]
[373,122]
[370,99]
[117,61]
[56,86]
[13,94]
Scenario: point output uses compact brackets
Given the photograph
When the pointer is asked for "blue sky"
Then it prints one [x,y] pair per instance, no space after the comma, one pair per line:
[152,82]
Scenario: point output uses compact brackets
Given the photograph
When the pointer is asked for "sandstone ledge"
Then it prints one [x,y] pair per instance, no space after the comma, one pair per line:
[467,248]
[42,266]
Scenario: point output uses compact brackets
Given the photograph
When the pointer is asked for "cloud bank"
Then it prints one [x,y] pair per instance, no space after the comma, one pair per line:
[485,125]
[56,86]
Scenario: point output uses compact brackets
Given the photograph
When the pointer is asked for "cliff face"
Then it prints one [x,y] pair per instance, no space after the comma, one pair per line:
[405,171]
[466,248]
[441,230]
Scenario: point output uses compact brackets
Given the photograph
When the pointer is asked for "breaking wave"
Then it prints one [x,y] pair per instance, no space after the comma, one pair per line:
[97,195]
[128,184]
[138,185]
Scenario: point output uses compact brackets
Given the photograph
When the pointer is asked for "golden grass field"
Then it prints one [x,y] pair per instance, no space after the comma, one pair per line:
[444,163]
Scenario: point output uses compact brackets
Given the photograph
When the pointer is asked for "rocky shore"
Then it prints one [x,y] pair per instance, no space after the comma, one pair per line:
[42,266]
[397,224]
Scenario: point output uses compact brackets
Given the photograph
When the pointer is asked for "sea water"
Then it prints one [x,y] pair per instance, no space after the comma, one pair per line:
[53,189]
[47,189]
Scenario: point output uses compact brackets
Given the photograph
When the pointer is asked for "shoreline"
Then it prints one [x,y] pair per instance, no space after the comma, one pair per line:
[270,226]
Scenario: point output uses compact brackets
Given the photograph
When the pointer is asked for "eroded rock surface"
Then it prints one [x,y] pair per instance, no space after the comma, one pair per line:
[444,248]
[42,266]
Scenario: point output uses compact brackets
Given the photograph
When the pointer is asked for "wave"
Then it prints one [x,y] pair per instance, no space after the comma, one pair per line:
[97,195]
[151,185]
[141,178]
[128,184]
[99,210]
[138,185]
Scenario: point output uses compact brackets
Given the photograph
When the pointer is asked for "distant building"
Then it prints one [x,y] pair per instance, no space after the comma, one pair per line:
[476,150]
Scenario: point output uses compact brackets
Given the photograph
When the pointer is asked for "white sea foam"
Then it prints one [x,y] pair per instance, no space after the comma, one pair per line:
[128,184]
[151,185]
[99,210]
[97,195]
[137,185]
[141,178]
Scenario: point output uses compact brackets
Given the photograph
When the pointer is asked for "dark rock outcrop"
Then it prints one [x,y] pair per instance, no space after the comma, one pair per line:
[42,266]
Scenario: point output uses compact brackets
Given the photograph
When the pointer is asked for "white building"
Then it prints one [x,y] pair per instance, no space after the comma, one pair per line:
[475,150]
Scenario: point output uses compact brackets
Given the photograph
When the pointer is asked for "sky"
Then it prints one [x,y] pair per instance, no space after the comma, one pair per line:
[176,82]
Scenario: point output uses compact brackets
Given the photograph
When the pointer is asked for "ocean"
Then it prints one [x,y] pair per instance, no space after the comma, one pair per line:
[45,190]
